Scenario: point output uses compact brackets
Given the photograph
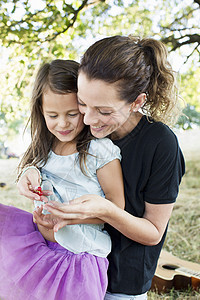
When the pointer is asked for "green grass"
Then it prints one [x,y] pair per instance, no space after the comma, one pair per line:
[183,238]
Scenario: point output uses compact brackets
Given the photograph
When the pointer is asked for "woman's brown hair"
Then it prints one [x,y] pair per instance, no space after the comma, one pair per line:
[135,66]
[60,76]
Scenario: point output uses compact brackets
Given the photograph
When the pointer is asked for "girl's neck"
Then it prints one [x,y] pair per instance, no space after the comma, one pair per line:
[64,148]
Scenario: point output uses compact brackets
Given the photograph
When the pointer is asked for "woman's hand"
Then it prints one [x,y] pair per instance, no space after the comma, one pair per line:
[28,184]
[87,209]
[147,230]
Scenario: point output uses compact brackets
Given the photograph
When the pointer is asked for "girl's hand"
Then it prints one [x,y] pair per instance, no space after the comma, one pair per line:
[48,221]
[45,224]
[28,184]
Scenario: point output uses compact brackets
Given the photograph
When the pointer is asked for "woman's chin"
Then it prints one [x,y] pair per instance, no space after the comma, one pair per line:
[99,132]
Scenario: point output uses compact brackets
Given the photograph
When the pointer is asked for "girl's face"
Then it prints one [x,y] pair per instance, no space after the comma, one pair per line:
[102,109]
[62,116]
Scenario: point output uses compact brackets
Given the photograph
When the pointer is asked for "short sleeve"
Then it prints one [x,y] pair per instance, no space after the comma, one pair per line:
[167,169]
[105,151]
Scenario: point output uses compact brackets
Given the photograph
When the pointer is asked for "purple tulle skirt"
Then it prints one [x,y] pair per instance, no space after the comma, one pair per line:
[32,268]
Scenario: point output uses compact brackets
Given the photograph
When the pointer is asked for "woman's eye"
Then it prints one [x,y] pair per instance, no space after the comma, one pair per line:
[52,117]
[105,113]
[81,104]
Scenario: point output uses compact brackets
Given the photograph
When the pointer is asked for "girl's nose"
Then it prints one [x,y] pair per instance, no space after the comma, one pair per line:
[63,122]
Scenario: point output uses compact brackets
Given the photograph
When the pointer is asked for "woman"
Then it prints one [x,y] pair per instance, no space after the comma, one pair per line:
[126,91]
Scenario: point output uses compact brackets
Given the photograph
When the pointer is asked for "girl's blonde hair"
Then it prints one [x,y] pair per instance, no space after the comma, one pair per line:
[60,76]
[136,66]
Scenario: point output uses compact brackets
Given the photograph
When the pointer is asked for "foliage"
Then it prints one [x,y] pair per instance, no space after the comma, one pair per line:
[189,118]
[190,88]
[35,31]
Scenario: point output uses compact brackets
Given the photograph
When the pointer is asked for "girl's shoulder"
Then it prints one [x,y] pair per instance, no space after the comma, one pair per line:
[101,142]
[104,148]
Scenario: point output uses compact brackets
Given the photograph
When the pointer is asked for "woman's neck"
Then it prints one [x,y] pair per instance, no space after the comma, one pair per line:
[127,127]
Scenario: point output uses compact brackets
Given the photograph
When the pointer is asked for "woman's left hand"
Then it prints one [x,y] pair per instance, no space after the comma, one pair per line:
[79,210]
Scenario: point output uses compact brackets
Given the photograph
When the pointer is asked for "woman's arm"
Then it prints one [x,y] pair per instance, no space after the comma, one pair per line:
[147,230]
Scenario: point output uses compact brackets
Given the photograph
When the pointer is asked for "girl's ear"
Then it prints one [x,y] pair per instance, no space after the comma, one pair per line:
[138,103]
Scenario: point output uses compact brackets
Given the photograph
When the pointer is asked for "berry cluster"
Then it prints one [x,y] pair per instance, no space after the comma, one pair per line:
[39,191]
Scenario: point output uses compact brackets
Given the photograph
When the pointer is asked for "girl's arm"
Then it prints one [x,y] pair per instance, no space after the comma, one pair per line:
[45,224]
[48,234]
[111,180]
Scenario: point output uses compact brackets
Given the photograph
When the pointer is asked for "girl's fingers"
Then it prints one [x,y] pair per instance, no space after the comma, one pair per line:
[40,220]
[47,193]
[44,199]
[28,182]
[31,195]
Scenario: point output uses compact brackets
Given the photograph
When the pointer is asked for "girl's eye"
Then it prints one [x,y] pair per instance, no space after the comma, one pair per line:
[52,117]
[73,115]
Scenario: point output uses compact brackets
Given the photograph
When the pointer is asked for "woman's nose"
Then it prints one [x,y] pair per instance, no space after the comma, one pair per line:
[90,117]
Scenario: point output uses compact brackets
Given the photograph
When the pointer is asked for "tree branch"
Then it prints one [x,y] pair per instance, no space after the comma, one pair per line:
[27,18]
[84,3]
[195,48]
[169,26]
[176,42]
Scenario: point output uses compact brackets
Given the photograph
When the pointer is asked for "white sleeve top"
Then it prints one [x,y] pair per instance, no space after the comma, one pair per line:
[69,182]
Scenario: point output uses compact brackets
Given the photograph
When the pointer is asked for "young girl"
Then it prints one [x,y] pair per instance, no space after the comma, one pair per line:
[70,264]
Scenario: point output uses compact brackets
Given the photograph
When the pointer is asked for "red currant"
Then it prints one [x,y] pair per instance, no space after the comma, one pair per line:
[39,191]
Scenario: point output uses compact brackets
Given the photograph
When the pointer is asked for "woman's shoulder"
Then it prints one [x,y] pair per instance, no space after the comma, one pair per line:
[159,131]
[157,136]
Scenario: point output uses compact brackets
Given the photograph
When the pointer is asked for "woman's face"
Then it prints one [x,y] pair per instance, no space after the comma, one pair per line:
[103,111]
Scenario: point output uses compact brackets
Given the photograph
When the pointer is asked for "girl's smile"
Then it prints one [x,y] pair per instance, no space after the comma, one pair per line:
[62,115]
[66,132]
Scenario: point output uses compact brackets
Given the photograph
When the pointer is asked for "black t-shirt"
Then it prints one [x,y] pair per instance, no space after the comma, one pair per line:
[152,165]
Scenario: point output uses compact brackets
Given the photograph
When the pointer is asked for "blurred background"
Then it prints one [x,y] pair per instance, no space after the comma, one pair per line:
[36,31]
